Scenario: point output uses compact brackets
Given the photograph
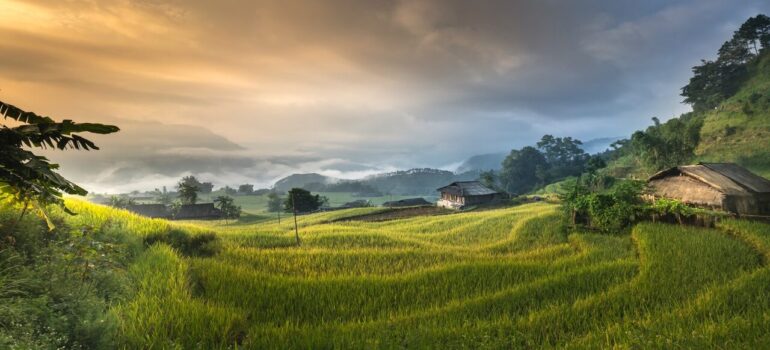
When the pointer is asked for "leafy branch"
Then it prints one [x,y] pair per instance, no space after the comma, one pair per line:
[29,179]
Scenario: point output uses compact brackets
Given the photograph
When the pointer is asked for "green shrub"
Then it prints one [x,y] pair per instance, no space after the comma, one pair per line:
[609,211]
[56,286]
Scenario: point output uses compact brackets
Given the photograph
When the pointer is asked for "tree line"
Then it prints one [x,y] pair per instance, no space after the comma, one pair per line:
[551,159]
[714,81]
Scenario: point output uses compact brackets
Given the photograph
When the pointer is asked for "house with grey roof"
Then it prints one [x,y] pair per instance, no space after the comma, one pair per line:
[200,211]
[156,211]
[461,194]
[720,186]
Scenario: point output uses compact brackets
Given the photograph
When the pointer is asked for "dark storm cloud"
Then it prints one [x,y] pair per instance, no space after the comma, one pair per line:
[347,86]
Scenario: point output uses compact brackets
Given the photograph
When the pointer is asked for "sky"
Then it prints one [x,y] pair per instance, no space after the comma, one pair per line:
[250,91]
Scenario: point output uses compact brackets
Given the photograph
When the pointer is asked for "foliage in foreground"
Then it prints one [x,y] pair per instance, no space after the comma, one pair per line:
[29,179]
[57,287]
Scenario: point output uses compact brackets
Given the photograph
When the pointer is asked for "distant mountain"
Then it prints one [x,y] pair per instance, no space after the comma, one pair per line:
[482,162]
[423,181]
[418,182]
[301,181]
[599,145]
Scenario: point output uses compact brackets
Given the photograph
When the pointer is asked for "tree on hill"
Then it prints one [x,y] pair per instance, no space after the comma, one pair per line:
[523,170]
[29,179]
[564,155]
[227,206]
[246,189]
[668,144]
[756,30]
[229,190]
[191,180]
[714,81]
[302,201]
[188,192]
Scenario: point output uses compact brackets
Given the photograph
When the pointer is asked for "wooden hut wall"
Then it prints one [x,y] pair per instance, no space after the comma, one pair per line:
[742,205]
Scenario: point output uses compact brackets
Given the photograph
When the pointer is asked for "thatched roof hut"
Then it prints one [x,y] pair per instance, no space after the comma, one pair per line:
[150,210]
[722,186]
[202,211]
[465,193]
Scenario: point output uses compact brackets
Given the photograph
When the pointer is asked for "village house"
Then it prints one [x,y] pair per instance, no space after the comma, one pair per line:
[719,186]
[201,211]
[461,194]
[155,211]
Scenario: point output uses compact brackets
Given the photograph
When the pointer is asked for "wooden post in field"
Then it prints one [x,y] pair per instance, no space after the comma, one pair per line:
[294,209]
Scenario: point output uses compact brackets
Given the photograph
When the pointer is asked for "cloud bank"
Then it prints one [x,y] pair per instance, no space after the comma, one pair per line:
[248,91]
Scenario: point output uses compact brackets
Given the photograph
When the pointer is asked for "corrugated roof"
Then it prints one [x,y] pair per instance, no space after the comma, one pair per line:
[467,188]
[741,176]
[729,178]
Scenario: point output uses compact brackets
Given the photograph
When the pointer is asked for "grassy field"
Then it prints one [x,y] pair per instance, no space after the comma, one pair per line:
[504,278]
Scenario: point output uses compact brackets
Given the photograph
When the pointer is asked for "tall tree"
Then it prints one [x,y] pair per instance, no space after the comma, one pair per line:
[523,170]
[667,144]
[226,205]
[188,192]
[246,189]
[756,32]
[714,81]
[29,179]
[302,201]
[564,155]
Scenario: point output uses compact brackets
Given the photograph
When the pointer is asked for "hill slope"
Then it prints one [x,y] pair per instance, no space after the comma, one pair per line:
[506,278]
[739,129]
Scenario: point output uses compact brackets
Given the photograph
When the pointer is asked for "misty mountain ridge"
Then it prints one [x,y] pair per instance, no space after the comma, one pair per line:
[417,181]
[421,181]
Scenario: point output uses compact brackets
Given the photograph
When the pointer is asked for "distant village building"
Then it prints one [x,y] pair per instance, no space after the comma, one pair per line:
[408,202]
[359,203]
[202,211]
[460,194]
[156,211]
[720,186]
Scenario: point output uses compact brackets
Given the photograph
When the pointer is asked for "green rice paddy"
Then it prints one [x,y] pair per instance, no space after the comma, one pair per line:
[504,278]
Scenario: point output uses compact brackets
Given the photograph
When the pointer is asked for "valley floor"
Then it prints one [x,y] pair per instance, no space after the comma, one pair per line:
[507,278]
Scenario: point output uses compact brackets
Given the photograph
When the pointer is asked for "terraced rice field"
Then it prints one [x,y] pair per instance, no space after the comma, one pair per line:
[506,278]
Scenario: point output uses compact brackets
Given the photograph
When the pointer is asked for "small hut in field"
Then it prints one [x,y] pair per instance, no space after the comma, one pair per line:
[719,186]
[460,194]
[202,211]
[156,211]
